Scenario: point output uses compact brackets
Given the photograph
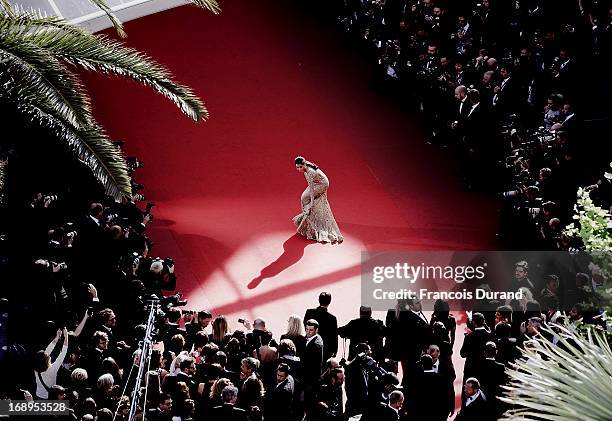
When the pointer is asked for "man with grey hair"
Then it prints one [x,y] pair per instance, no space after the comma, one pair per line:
[228,411]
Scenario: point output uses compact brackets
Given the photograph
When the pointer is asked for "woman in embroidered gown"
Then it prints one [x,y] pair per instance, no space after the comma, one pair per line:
[316,221]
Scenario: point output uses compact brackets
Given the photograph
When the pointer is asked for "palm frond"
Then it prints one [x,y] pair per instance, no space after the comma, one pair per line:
[210,5]
[567,381]
[114,20]
[32,66]
[90,145]
[7,7]
[29,18]
[99,53]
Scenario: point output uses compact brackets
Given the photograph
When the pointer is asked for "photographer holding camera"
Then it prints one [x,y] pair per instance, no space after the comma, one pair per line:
[363,375]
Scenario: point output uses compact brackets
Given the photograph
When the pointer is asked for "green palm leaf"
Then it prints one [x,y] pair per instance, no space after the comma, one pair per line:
[568,381]
[99,53]
[33,66]
[7,8]
[210,5]
[35,52]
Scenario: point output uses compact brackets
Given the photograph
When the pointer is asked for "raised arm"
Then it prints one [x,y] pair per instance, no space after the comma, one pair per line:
[79,328]
[52,344]
[60,358]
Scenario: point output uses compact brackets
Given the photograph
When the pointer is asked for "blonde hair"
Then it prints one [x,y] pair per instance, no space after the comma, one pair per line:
[105,381]
[295,327]
[218,386]
[79,375]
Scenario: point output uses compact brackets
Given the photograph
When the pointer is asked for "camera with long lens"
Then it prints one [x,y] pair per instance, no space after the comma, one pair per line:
[137,186]
[51,265]
[175,300]
[133,163]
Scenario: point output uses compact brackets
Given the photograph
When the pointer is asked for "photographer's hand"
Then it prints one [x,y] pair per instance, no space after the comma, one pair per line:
[65,333]
[146,219]
[93,292]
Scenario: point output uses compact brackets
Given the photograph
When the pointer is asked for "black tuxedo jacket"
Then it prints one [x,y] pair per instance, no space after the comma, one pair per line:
[313,362]
[191,330]
[507,99]
[408,335]
[431,397]
[473,351]
[492,375]
[171,381]
[328,329]
[476,411]
[364,330]
[228,412]
[381,412]
[280,401]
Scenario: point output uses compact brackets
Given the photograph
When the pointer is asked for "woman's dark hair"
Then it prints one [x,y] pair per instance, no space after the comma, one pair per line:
[300,160]
[42,361]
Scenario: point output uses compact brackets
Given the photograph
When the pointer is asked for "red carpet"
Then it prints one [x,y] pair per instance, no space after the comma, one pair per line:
[278,85]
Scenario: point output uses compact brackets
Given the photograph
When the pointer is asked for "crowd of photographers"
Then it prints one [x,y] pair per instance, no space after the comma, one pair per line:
[74,320]
[500,84]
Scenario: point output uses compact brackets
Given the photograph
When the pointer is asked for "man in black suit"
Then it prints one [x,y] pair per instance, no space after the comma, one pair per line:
[280,398]
[431,396]
[570,121]
[521,277]
[444,368]
[328,325]
[91,227]
[163,412]
[474,345]
[204,319]
[365,329]
[476,143]
[492,376]
[384,411]
[328,405]
[475,408]
[171,327]
[417,334]
[89,242]
[506,94]
[313,363]
[188,369]
[463,105]
[92,362]
[228,411]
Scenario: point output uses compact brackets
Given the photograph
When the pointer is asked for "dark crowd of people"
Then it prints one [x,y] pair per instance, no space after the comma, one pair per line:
[510,88]
[82,342]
